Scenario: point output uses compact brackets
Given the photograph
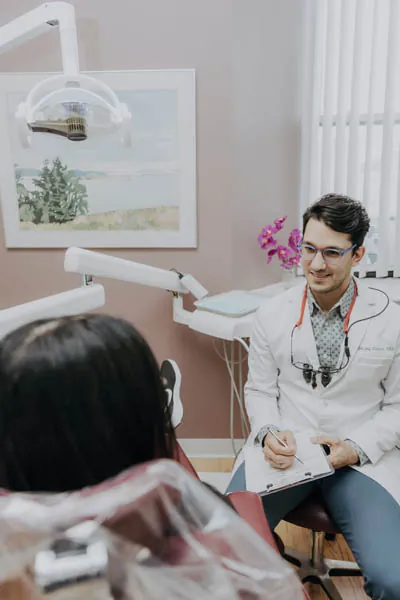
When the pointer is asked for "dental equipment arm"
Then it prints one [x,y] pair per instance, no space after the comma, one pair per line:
[71,105]
[38,21]
[73,302]
[94,264]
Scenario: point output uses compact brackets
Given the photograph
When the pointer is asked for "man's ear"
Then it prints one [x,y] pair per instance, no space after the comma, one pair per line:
[358,255]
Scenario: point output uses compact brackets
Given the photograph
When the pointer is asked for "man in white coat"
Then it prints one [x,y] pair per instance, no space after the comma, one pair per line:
[325,359]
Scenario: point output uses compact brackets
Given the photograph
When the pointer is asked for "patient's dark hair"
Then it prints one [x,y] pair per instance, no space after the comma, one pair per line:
[81,400]
[342,214]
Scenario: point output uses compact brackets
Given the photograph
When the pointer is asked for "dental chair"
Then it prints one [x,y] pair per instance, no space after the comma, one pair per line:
[315,566]
[247,504]
[153,532]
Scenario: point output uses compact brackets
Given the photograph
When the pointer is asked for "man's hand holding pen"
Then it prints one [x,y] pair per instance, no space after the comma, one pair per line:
[280,449]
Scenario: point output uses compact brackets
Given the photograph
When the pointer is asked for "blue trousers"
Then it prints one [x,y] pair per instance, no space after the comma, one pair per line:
[366,514]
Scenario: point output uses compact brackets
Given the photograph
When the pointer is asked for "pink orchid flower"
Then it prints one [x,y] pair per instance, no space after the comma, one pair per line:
[289,256]
[268,231]
[279,223]
[283,252]
[266,241]
[270,254]
[294,240]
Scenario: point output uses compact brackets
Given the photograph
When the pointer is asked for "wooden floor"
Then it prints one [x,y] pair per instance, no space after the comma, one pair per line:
[297,537]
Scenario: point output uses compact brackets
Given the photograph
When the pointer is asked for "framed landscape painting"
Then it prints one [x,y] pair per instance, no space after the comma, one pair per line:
[98,193]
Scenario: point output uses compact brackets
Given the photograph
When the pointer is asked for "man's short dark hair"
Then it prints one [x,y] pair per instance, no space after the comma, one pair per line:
[342,214]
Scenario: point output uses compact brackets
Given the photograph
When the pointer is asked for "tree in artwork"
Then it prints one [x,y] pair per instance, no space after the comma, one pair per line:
[58,196]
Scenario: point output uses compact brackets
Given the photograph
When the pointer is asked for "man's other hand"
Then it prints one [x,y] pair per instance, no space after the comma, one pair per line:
[275,453]
[342,453]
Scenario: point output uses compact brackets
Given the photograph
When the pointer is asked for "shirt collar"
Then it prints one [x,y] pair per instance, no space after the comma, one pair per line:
[342,306]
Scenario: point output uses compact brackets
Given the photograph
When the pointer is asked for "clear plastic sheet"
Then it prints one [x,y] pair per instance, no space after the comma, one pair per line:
[153,533]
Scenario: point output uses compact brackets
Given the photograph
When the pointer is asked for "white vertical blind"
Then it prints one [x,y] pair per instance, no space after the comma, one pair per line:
[353,181]
[315,105]
[344,79]
[396,245]
[351,116]
[332,41]
[392,72]
[372,95]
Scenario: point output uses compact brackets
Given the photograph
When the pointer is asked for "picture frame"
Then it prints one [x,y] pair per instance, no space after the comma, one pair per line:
[143,196]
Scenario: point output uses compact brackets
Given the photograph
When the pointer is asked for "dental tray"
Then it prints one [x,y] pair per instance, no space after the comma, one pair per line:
[236,303]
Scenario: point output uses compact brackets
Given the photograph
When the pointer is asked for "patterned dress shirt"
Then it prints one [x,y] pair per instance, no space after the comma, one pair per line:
[329,336]
[328,329]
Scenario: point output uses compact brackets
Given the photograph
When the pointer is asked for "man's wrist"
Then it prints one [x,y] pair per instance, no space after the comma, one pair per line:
[262,434]
[356,461]
[362,458]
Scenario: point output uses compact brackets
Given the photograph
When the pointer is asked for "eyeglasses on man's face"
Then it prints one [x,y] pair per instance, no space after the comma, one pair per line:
[329,255]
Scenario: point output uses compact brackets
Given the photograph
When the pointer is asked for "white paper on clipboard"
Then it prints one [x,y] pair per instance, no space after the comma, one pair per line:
[264,479]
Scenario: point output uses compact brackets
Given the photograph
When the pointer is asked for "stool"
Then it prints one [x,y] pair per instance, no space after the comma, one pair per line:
[314,567]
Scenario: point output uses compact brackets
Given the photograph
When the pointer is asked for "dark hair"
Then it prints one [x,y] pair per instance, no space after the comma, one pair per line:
[342,214]
[81,399]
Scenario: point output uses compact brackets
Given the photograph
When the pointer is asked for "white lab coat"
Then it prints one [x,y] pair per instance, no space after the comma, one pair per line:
[362,402]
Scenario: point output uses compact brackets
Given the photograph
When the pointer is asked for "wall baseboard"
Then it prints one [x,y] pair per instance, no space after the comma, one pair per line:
[211,447]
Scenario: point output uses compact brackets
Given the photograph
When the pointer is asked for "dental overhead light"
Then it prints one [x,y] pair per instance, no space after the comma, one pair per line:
[71,105]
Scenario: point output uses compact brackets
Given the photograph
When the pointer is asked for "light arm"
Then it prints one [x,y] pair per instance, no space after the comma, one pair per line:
[63,104]
[40,20]
[96,264]
[73,302]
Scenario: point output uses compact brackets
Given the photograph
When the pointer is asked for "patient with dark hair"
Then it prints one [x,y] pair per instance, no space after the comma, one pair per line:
[81,399]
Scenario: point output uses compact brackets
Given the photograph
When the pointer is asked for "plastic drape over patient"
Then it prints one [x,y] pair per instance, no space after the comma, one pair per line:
[152,533]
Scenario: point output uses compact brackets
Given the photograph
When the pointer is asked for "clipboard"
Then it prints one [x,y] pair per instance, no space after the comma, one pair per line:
[264,479]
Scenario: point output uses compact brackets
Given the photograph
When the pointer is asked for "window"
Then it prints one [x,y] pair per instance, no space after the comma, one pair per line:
[351,116]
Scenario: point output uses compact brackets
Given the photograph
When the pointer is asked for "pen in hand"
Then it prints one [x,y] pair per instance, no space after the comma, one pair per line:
[284,444]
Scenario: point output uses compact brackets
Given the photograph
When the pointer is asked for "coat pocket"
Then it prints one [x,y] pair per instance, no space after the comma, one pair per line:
[373,359]
[373,363]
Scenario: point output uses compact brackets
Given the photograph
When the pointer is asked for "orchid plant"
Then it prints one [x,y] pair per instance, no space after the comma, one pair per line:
[289,255]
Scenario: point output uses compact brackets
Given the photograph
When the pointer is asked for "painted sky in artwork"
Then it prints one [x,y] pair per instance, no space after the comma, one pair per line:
[145,175]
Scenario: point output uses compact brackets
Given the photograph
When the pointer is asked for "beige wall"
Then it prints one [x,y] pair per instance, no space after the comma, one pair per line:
[246,54]
[266,107]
